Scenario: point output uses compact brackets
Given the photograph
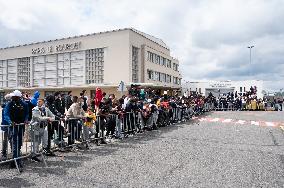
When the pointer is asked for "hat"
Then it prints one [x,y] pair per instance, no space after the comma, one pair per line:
[17,93]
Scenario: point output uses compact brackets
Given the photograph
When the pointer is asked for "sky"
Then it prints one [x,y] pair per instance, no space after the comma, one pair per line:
[210,38]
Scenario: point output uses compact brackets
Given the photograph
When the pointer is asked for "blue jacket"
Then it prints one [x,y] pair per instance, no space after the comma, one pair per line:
[3,122]
[7,112]
[35,98]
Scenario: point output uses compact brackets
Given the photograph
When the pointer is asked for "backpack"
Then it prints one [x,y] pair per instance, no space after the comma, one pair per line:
[17,112]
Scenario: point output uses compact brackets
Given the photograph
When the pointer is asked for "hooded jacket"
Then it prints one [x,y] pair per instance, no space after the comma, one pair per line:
[35,98]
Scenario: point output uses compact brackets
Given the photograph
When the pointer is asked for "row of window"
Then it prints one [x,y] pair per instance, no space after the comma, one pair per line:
[95,66]
[135,70]
[157,59]
[52,70]
[158,76]
[177,80]
[162,77]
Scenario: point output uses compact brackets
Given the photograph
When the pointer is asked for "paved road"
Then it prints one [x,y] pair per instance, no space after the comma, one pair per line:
[195,154]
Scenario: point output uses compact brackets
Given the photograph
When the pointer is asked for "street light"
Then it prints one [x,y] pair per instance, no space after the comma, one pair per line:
[250,47]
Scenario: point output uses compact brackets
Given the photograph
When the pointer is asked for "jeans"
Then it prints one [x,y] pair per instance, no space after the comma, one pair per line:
[5,135]
[16,137]
[100,128]
[118,128]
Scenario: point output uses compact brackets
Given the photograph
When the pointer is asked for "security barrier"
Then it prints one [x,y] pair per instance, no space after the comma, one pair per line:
[63,134]
[14,148]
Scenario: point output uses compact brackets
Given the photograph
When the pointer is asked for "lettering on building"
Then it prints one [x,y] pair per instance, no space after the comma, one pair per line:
[220,85]
[57,48]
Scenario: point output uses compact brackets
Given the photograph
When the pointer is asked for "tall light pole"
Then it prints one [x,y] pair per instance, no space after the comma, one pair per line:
[250,47]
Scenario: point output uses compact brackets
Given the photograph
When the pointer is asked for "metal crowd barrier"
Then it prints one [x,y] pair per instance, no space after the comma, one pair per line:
[72,132]
[13,146]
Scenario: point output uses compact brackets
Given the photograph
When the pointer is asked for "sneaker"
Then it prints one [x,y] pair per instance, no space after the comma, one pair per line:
[47,152]
[3,158]
[98,142]
[103,142]
[36,159]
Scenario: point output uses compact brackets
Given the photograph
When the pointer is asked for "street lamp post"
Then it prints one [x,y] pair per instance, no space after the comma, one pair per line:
[250,47]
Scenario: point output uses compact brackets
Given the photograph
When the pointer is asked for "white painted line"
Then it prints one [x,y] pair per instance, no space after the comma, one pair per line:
[255,123]
[241,122]
[214,120]
[227,121]
[270,124]
[202,119]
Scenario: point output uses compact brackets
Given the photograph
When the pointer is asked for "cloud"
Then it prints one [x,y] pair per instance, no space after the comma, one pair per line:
[210,38]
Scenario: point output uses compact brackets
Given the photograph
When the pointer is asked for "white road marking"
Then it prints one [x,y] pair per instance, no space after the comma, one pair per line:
[241,122]
[214,120]
[255,123]
[227,120]
[270,124]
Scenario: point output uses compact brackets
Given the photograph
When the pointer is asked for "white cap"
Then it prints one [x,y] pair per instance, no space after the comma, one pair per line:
[17,93]
[149,100]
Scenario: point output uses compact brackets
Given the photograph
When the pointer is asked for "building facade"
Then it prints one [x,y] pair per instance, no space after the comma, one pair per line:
[89,61]
[218,88]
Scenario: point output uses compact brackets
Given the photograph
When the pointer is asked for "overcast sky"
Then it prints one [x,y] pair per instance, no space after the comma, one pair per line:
[209,38]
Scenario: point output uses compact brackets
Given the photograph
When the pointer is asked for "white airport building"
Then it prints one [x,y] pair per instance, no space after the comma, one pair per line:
[218,88]
[88,61]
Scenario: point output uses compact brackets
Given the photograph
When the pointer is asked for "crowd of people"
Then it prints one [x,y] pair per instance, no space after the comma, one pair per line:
[66,120]
[69,120]
[246,101]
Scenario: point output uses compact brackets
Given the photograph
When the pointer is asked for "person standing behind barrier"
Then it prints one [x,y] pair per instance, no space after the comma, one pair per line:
[129,116]
[41,117]
[5,130]
[84,100]
[31,102]
[102,115]
[74,114]
[16,113]
[146,116]
[59,103]
[155,113]
[55,125]
[88,127]
[68,100]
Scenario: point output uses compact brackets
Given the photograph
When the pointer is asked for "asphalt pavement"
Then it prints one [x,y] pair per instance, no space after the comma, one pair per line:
[192,154]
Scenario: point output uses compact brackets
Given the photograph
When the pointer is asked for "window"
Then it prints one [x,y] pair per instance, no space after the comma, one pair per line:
[47,93]
[2,94]
[150,74]
[241,89]
[199,90]
[135,71]
[164,61]
[169,63]
[156,76]
[244,89]
[158,60]
[3,74]
[24,72]
[95,66]
[148,56]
